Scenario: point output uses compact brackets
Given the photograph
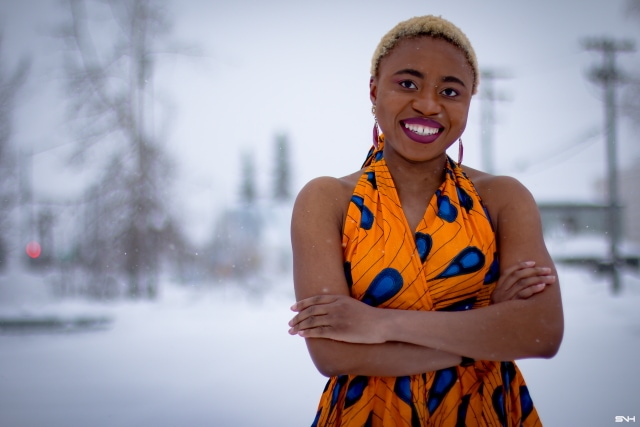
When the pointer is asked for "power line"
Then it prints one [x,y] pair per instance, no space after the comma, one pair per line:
[609,76]
[560,154]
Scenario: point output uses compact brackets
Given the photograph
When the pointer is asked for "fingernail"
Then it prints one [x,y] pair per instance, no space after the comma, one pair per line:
[545,270]
[293,307]
[530,263]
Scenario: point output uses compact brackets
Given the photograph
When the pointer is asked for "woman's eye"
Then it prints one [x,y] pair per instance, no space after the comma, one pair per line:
[450,92]
[408,84]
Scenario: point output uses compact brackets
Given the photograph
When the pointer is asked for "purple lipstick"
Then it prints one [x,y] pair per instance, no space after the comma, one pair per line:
[421,130]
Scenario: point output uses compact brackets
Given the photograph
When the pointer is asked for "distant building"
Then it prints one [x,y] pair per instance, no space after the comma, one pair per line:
[630,195]
[576,233]
[566,219]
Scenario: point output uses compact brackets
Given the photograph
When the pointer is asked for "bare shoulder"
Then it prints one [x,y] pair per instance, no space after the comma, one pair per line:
[326,197]
[498,191]
[316,236]
[515,216]
[326,188]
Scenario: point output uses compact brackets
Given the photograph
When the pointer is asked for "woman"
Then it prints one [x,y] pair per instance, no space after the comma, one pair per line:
[401,298]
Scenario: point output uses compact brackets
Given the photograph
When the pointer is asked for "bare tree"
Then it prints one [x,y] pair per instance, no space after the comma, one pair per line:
[282,173]
[110,64]
[10,83]
[633,8]
[248,191]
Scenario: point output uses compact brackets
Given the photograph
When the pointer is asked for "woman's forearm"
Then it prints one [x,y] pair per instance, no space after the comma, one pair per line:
[390,359]
[510,330]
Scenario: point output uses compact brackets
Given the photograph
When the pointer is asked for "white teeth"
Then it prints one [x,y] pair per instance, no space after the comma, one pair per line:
[421,130]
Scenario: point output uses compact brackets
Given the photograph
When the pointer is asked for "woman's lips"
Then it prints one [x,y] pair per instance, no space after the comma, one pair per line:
[421,130]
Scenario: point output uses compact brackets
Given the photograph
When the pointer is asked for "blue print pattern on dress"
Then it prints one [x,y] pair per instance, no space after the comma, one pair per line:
[342,379]
[498,405]
[465,304]
[526,403]
[465,200]
[469,260]
[494,271]
[347,274]
[486,213]
[461,421]
[424,242]
[508,371]
[369,422]
[446,210]
[442,383]
[371,177]
[366,216]
[402,389]
[383,287]
[315,420]
[355,390]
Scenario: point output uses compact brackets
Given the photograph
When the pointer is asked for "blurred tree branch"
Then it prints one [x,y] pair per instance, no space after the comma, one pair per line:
[110,65]
[10,84]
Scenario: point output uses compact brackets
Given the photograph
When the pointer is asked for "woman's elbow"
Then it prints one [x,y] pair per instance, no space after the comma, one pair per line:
[549,347]
[328,369]
[326,359]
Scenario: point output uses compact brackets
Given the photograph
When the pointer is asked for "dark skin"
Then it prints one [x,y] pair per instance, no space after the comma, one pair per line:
[430,79]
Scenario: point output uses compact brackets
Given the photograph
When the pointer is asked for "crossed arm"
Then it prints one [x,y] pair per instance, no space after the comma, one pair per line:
[346,336]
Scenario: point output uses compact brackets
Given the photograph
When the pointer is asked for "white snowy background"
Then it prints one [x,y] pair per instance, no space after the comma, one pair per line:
[219,356]
[203,357]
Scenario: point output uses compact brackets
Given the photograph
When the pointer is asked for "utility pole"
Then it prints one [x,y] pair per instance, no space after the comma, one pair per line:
[608,76]
[488,96]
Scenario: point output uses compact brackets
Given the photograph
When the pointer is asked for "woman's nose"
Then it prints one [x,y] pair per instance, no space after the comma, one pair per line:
[427,102]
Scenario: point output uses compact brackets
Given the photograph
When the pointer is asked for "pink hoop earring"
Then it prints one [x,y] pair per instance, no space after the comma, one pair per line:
[460,151]
[376,131]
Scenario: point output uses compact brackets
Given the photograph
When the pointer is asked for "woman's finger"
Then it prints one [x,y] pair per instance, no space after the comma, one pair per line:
[319,332]
[308,323]
[528,287]
[314,300]
[519,277]
[519,266]
[312,311]
[530,291]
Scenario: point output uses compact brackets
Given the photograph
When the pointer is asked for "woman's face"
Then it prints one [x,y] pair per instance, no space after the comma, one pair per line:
[422,95]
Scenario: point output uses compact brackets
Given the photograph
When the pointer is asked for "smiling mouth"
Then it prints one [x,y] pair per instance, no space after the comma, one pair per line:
[421,130]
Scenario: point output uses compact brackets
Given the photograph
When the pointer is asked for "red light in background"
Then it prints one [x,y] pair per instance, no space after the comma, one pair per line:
[33,249]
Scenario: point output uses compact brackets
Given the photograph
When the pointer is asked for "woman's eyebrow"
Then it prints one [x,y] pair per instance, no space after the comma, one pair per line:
[453,79]
[410,71]
[420,75]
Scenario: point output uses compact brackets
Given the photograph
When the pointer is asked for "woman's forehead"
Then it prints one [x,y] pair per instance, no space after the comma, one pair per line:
[426,51]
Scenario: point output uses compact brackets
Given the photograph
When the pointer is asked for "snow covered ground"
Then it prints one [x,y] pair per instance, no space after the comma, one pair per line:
[218,357]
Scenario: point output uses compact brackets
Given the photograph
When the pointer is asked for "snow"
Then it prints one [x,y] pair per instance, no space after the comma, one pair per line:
[588,246]
[203,356]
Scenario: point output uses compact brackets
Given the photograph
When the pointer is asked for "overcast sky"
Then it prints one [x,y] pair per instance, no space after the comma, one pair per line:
[302,68]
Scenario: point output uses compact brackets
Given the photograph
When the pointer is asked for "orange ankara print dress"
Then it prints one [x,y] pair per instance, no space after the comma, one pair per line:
[449,263]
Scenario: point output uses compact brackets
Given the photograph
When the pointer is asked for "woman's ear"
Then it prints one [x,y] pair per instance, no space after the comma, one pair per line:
[373,90]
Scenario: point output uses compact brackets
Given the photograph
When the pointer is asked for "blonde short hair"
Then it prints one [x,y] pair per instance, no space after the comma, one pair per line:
[431,26]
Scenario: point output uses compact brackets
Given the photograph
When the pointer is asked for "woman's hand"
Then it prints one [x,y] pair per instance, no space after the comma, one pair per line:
[337,317]
[522,281]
